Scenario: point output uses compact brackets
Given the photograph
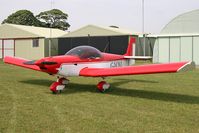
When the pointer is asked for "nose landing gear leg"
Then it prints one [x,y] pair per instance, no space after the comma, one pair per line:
[59,85]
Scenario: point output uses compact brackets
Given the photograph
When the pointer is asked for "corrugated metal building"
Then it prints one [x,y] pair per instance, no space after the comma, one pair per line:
[27,41]
[107,39]
[179,40]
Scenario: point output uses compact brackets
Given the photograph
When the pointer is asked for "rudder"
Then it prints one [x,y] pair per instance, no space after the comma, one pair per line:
[130,50]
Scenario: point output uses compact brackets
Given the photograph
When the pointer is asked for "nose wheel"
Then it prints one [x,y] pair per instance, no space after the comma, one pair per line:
[59,85]
[103,86]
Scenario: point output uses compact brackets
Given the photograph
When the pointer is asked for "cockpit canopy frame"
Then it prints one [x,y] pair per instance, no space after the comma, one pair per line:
[85,52]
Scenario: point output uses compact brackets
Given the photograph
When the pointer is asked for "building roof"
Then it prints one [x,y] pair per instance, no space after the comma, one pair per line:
[22,31]
[174,35]
[93,30]
[186,23]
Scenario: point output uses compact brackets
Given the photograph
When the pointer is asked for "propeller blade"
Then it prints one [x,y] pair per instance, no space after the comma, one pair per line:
[48,63]
[33,62]
[29,62]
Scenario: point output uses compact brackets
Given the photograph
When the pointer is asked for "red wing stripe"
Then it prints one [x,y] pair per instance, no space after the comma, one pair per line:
[19,62]
[135,70]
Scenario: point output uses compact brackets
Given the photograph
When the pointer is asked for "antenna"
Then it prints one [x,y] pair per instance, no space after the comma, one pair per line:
[50,26]
[88,39]
[144,42]
[107,45]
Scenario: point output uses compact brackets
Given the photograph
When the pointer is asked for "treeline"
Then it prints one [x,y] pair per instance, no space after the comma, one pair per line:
[54,18]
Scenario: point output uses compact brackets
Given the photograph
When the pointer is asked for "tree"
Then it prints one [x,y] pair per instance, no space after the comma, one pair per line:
[54,18]
[23,17]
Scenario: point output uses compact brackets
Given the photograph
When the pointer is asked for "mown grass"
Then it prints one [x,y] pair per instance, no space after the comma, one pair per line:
[144,103]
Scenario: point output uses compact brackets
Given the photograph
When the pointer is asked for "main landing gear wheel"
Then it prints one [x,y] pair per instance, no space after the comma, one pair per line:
[58,87]
[103,86]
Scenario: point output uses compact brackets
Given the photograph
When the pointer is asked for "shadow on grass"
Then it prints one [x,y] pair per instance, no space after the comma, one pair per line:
[40,82]
[152,95]
[120,81]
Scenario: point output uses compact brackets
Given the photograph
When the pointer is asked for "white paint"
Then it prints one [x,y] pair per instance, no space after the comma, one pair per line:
[138,57]
[106,86]
[65,81]
[68,70]
[133,50]
[187,67]
[60,87]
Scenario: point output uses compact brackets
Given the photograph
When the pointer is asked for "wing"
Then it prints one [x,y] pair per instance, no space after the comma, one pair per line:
[135,70]
[20,62]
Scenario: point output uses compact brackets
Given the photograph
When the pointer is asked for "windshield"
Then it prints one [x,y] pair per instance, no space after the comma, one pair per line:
[85,52]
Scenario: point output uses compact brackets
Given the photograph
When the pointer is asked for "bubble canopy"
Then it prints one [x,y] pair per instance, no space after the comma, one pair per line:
[85,52]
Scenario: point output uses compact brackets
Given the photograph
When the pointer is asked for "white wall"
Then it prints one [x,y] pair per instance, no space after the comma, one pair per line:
[175,49]
[24,49]
[8,47]
[0,49]
[163,50]
[186,49]
[196,50]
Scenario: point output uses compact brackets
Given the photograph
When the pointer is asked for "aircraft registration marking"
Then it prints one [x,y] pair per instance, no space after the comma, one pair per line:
[116,64]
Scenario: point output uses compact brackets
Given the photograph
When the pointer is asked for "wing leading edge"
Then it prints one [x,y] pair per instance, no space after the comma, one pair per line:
[20,62]
[136,70]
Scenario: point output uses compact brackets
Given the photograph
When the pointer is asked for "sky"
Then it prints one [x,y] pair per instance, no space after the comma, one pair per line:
[126,14]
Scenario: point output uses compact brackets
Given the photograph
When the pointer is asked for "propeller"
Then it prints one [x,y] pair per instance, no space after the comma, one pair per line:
[29,62]
[33,62]
[48,63]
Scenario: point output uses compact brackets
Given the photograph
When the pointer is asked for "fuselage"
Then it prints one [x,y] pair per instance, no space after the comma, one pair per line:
[70,65]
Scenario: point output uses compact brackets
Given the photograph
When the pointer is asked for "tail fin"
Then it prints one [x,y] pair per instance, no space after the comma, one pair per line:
[130,49]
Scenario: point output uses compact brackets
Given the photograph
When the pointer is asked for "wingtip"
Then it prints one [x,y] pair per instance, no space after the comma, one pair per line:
[187,67]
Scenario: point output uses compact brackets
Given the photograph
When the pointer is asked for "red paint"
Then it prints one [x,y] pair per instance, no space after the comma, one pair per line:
[19,62]
[132,70]
[96,72]
[53,86]
[52,65]
[129,51]
[100,86]
[61,80]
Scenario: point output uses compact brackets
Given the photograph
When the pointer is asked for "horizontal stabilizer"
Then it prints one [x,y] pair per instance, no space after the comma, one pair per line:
[139,57]
[20,62]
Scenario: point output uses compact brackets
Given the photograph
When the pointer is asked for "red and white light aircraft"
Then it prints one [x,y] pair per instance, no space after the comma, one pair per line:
[89,62]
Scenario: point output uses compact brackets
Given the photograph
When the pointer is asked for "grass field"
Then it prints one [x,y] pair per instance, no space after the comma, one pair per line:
[167,103]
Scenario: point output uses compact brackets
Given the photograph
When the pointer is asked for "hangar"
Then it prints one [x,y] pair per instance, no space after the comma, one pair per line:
[179,40]
[28,41]
[107,39]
